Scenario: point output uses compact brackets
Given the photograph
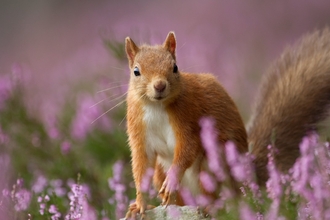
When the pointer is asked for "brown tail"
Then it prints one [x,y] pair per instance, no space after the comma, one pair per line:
[294,97]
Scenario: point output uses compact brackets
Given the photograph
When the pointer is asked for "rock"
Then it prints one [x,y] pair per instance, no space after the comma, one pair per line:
[174,212]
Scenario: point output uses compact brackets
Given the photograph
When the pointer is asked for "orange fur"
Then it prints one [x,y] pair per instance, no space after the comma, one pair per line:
[164,107]
[185,100]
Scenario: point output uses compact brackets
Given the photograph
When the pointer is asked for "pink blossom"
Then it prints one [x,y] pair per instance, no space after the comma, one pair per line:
[208,182]
[55,215]
[42,207]
[172,179]
[88,211]
[87,113]
[146,180]
[187,197]
[22,198]
[52,127]
[40,184]
[240,165]
[6,87]
[117,185]
[65,147]
[246,213]
[274,187]
[203,200]
[209,138]
[76,197]
[57,188]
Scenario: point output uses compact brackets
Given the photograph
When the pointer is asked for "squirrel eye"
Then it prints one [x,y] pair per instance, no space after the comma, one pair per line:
[175,68]
[137,71]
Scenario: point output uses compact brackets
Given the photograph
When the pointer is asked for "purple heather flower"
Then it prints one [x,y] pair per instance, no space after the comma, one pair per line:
[52,127]
[240,165]
[187,197]
[88,212]
[22,199]
[226,193]
[208,182]
[203,200]
[39,199]
[19,183]
[243,190]
[42,207]
[55,214]
[117,168]
[40,184]
[246,213]
[310,179]
[6,86]
[232,155]
[209,137]
[57,187]
[76,197]
[65,147]
[272,213]
[146,180]
[46,198]
[5,192]
[117,185]
[172,179]
[274,186]
[87,113]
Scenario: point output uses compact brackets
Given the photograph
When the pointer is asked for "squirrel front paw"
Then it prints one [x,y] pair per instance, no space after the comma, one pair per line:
[168,191]
[135,210]
[138,208]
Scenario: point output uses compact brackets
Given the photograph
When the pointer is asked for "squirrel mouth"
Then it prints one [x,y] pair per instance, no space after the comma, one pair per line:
[158,97]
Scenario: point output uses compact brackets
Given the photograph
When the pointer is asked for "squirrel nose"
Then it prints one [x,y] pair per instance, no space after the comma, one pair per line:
[160,86]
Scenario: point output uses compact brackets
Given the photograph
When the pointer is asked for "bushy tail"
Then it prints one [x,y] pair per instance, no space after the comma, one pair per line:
[294,97]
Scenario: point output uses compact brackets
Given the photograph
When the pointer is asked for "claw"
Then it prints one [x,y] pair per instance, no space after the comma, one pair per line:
[204,211]
[134,211]
[170,186]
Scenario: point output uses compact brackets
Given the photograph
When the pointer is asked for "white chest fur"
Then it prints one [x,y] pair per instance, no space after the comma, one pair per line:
[160,140]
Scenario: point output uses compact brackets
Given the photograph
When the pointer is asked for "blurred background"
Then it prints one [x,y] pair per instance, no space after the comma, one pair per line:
[61,42]
[62,65]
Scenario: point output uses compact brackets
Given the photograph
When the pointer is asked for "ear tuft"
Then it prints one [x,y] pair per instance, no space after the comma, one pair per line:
[131,50]
[170,43]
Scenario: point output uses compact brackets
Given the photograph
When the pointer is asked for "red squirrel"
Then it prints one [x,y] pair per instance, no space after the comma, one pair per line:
[165,105]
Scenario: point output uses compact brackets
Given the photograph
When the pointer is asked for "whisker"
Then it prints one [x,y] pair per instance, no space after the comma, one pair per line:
[108,111]
[107,99]
[122,120]
[104,90]
[181,46]
[118,97]
[113,96]
[98,103]
[115,105]
[117,68]
[126,115]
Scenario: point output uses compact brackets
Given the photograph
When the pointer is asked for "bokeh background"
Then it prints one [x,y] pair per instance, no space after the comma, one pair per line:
[65,53]
[61,42]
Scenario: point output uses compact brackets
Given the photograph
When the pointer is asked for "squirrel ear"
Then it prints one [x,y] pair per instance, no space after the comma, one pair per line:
[170,43]
[131,50]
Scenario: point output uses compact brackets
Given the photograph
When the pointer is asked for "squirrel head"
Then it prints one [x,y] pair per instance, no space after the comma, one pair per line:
[154,73]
